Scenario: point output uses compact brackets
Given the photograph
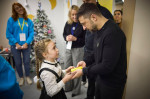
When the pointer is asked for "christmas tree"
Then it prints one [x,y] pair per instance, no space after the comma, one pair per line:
[42,30]
[42,27]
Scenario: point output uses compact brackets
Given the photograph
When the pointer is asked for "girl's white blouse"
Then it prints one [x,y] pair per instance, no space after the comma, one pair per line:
[52,87]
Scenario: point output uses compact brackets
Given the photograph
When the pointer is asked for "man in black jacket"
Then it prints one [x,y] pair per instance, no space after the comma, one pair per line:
[109,53]
[88,50]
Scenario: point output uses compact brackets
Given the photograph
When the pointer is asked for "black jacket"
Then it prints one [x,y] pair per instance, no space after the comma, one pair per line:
[78,32]
[110,55]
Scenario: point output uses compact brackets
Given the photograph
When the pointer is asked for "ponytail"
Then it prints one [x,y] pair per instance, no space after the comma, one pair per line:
[38,63]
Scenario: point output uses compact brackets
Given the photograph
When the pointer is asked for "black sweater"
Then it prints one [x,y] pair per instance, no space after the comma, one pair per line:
[110,55]
[89,37]
[78,32]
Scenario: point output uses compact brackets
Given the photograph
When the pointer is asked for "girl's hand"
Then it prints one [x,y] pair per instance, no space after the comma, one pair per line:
[68,70]
[68,77]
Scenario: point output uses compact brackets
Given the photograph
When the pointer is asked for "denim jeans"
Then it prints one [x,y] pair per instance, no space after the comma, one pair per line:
[18,59]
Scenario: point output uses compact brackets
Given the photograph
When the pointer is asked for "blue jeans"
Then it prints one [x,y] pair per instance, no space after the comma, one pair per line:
[18,59]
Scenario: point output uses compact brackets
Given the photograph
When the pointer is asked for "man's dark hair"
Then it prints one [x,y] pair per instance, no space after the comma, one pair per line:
[87,9]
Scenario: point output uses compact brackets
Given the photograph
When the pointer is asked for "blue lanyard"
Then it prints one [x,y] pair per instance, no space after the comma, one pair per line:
[72,31]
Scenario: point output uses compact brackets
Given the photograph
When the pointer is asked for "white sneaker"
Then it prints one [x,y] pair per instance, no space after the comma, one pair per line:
[83,83]
[86,85]
[21,81]
[29,81]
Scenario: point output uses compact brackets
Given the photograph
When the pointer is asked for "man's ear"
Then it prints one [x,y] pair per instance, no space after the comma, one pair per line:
[93,17]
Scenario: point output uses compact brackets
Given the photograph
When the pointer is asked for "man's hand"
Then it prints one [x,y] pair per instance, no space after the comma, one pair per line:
[81,63]
[77,73]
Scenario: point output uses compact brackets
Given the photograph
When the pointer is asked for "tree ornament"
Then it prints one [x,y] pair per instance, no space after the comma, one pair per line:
[39,5]
[44,26]
[45,34]
[49,31]
[37,20]
[35,33]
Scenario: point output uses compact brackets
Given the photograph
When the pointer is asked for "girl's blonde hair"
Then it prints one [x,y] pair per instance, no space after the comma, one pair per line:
[73,7]
[39,48]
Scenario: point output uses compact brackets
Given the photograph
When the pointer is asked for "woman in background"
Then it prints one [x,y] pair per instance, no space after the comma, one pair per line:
[118,17]
[74,35]
[20,32]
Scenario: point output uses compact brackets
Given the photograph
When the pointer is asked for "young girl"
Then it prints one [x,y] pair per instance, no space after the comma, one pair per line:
[49,71]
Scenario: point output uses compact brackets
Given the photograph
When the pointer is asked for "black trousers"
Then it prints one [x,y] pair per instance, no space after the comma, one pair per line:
[91,77]
[84,78]
[104,91]
[91,87]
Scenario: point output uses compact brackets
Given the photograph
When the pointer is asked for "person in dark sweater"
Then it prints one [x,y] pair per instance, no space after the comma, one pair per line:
[74,35]
[88,50]
[109,53]
[118,17]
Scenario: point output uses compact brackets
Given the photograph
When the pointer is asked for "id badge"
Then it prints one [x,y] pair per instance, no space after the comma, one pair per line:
[27,24]
[22,37]
[69,45]
[73,28]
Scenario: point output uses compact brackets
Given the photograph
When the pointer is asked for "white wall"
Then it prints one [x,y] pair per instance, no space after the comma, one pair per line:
[138,82]
[5,13]
[79,3]
[116,6]
[113,7]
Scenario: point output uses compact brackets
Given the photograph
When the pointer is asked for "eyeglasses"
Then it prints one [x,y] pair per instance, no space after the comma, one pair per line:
[18,8]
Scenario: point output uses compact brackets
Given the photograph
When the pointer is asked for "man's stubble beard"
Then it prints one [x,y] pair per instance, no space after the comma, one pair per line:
[94,27]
